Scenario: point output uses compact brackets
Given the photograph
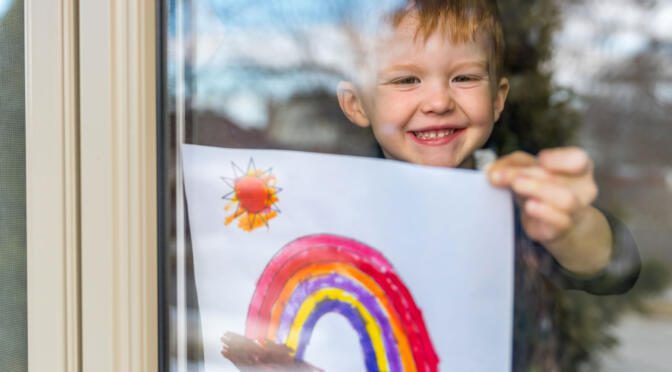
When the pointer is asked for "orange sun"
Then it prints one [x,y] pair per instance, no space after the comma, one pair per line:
[254,196]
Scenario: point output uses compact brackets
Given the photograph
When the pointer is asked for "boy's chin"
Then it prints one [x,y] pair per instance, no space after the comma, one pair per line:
[438,160]
[443,161]
[434,161]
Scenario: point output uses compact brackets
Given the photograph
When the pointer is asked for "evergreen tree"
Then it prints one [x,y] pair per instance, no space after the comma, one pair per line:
[538,113]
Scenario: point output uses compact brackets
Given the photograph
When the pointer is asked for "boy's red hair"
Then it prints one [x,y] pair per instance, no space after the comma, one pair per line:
[462,21]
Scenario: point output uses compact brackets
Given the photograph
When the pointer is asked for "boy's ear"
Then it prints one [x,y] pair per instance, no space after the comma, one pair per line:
[351,105]
[500,97]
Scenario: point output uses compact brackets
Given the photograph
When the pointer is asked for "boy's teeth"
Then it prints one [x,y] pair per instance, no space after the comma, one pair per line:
[434,134]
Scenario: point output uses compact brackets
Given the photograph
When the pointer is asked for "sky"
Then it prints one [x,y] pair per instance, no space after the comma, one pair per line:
[235,36]
[4,6]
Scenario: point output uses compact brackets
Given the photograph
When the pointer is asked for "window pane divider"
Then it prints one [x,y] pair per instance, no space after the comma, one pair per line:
[52,185]
[118,188]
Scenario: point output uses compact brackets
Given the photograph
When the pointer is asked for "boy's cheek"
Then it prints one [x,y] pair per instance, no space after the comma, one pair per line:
[382,132]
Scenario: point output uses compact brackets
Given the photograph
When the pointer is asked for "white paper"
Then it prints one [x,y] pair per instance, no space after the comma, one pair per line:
[447,233]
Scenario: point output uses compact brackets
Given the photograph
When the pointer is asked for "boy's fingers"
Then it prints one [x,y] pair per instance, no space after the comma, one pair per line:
[536,172]
[550,222]
[517,159]
[558,196]
[568,160]
[505,169]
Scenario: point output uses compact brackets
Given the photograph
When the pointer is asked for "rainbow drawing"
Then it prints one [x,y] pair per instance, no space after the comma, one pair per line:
[321,274]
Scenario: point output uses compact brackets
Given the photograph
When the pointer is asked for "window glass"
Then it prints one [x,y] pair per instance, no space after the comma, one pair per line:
[586,73]
[13,313]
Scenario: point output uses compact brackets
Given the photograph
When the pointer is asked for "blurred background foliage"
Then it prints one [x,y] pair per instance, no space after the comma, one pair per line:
[538,112]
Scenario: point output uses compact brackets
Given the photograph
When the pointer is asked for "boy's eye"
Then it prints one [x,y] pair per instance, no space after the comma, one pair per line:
[406,80]
[467,78]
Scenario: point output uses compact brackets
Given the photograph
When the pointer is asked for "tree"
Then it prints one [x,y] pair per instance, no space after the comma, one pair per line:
[538,113]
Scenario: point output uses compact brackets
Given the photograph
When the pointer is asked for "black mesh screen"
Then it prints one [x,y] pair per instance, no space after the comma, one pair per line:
[13,322]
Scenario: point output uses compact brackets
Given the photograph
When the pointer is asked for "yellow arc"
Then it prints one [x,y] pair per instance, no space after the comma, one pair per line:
[372,327]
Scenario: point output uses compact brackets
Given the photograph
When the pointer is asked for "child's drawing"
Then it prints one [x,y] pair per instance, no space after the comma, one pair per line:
[373,265]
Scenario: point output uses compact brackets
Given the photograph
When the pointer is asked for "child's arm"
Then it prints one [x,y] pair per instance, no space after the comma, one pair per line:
[556,191]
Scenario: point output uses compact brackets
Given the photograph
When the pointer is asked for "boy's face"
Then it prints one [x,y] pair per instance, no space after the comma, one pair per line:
[431,101]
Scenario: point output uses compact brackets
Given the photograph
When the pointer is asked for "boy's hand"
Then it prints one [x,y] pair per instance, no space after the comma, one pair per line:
[555,191]
[261,356]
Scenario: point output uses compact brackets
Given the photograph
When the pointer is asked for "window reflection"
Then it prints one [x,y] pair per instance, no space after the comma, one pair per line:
[589,73]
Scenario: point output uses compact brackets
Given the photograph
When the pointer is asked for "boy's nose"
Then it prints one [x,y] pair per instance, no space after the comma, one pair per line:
[438,100]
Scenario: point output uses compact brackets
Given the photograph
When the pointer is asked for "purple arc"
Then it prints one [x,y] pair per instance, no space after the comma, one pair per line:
[348,285]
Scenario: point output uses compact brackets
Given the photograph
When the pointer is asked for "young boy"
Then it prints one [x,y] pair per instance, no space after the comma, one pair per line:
[432,97]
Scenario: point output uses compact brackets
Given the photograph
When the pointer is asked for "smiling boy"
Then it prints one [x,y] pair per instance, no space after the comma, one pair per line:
[432,96]
[435,95]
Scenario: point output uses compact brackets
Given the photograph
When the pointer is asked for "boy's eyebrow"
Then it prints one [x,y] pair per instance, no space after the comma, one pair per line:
[484,64]
[401,66]
[481,63]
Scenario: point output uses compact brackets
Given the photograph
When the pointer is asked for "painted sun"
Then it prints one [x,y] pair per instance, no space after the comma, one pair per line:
[252,198]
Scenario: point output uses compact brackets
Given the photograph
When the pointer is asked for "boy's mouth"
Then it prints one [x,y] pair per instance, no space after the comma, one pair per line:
[435,136]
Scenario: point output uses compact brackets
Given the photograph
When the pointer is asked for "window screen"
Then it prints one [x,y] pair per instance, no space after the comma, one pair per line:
[13,328]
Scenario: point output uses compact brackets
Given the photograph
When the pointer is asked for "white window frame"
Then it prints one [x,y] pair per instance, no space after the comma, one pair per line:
[91,185]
